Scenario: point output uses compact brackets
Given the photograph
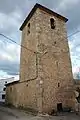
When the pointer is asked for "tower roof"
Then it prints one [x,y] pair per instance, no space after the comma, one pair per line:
[44,9]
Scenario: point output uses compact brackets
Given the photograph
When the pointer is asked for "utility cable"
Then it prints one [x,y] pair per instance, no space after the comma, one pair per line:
[73,33]
[31,51]
[16,42]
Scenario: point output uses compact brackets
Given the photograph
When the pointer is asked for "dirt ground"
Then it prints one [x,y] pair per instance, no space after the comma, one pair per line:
[15,114]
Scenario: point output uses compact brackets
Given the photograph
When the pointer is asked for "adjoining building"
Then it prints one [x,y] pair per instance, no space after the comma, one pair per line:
[3,83]
[46,79]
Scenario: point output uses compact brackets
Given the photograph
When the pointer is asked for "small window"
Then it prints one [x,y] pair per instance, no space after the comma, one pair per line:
[55,42]
[3,96]
[29,25]
[52,22]
[28,29]
[58,84]
[4,89]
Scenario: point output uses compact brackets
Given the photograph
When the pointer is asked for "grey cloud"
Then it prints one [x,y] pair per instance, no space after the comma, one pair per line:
[8,6]
[6,65]
[73,14]
[49,3]
[11,68]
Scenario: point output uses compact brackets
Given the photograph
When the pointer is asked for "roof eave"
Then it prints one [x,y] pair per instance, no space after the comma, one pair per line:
[43,8]
[11,83]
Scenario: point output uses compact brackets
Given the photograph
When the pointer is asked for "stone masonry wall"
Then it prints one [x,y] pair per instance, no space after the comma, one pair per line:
[45,64]
[22,95]
[28,57]
[25,92]
[54,67]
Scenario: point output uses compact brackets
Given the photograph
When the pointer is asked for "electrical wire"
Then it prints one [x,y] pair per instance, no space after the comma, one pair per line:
[10,39]
[31,51]
[16,42]
[74,33]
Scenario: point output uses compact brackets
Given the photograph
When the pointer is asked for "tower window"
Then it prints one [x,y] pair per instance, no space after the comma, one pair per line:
[58,84]
[29,25]
[28,29]
[55,42]
[52,22]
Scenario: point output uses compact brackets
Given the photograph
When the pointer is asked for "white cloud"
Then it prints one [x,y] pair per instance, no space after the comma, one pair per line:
[71,45]
[4,75]
[9,58]
[10,20]
[65,4]
[11,52]
[74,44]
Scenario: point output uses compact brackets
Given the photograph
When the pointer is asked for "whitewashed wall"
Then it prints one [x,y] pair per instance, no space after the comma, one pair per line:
[2,86]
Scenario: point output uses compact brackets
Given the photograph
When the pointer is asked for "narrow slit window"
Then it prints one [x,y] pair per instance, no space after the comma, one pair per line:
[29,28]
[58,84]
[52,22]
[29,25]
[55,42]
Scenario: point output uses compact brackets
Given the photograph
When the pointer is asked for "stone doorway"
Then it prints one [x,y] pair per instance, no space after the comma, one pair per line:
[59,107]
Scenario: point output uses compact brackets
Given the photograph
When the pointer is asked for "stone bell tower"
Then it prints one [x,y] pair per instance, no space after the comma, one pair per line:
[46,59]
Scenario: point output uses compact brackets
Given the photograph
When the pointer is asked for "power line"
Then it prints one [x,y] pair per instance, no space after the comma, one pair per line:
[36,53]
[16,42]
[27,49]
[73,33]
[10,39]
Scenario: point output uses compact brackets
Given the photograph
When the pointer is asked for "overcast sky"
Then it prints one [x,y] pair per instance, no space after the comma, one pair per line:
[13,13]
